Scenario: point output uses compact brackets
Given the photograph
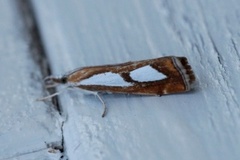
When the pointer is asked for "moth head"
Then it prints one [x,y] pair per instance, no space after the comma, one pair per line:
[52,81]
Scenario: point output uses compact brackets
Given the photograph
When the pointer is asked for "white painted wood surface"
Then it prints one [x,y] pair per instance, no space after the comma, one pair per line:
[203,124]
[26,126]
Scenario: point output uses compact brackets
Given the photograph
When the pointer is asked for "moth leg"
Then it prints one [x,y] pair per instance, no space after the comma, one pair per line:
[160,94]
[53,95]
[48,97]
[104,105]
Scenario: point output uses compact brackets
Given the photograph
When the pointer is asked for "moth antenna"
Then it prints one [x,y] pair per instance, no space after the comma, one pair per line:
[104,105]
[51,86]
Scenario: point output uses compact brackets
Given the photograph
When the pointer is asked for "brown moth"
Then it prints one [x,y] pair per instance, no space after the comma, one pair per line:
[165,75]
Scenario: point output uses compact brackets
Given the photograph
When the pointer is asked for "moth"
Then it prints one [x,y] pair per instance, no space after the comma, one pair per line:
[160,76]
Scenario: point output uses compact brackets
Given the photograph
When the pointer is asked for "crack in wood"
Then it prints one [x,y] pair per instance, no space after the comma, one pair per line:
[38,53]
[24,153]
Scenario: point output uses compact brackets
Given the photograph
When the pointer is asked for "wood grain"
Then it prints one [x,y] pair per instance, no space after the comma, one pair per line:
[203,124]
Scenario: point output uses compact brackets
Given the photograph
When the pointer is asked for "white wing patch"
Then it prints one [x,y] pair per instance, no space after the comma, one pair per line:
[106,79]
[146,74]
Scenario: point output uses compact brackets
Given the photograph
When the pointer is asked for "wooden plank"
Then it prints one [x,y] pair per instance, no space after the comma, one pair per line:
[203,124]
[26,126]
